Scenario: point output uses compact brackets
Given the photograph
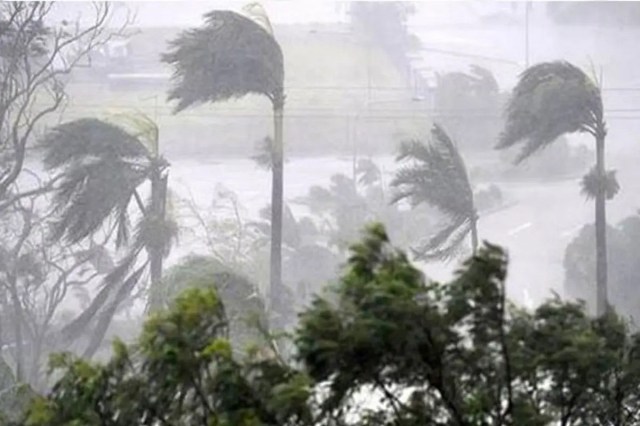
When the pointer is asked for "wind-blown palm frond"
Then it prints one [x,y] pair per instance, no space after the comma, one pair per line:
[368,172]
[111,283]
[141,127]
[484,79]
[436,175]
[101,166]
[265,154]
[550,99]
[590,184]
[86,138]
[157,232]
[229,57]
[445,245]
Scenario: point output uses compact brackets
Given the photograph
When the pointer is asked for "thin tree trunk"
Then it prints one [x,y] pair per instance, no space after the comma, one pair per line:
[601,231]
[17,329]
[277,190]
[474,235]
[156,251]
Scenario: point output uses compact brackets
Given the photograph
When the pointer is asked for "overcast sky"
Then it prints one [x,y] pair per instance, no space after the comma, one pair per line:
[189,13]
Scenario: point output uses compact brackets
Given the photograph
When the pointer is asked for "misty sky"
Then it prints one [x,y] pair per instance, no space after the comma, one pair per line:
[189,13]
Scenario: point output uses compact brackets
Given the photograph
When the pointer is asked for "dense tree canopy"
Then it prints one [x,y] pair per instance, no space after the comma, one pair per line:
[425,353]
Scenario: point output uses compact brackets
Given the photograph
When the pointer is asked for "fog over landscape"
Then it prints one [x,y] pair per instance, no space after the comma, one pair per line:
[149,148]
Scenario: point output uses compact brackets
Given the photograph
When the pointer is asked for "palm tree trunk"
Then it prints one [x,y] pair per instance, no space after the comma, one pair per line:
[277,190]
[17,328]
[474,235]
[156,251]
[601,231]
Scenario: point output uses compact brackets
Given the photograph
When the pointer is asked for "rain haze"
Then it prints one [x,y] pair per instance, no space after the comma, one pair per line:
[148,148]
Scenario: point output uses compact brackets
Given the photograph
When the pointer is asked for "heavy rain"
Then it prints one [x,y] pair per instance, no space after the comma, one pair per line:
[319,213]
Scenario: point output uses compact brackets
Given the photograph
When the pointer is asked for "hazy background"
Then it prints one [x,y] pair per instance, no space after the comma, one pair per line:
[347,98]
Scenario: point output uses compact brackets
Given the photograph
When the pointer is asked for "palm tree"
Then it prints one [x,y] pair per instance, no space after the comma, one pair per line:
[437,175]
[102,165]
[229,57]
[552,99]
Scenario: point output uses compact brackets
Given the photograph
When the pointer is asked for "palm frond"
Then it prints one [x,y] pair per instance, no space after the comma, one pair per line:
[157,232]
[591,184]
[122,225]
[78,140]
[229,57]
[100,167]
[484,79]
[550,99]
[445,244]
[141,127]
[110,285]
[318,199]
[90,193]
[264,156]
[436,175]
[106,314]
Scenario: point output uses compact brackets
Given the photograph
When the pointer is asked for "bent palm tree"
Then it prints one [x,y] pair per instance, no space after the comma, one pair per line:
[102,165]
[550,100]
[438,176]
[229,57]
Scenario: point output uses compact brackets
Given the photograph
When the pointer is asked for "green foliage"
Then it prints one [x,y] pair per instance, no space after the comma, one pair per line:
[437,175]
[425,353]
[459,352]
[243,304]
[181,371]
[229,57]
[550,99]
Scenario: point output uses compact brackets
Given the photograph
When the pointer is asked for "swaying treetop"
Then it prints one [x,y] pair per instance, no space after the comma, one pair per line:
[102,165]
[229,57]
[436,175]
[551,99]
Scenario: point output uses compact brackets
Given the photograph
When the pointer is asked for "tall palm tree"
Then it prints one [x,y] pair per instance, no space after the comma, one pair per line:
[552,99]
[102,165]
[437,175]
[229,57]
